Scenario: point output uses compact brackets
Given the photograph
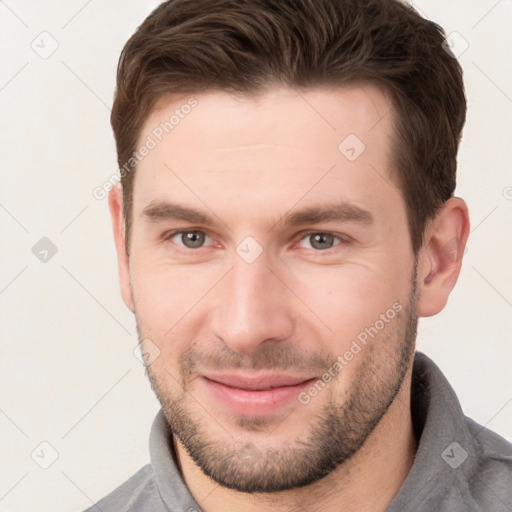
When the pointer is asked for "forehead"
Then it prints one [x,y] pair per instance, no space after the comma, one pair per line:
[282,112]
[274,148]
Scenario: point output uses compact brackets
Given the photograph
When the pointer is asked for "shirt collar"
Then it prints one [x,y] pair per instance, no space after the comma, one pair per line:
[446,449]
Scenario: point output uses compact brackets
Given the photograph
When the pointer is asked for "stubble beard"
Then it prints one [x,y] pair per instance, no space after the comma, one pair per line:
[330,439]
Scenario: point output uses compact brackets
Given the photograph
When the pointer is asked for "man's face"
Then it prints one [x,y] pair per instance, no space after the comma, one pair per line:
[253,299]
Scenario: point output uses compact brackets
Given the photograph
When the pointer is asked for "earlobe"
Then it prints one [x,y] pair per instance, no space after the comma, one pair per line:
[440,259]
[115,203]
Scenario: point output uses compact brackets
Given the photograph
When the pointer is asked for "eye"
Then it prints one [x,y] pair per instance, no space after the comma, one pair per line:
[189,239]
[319,241]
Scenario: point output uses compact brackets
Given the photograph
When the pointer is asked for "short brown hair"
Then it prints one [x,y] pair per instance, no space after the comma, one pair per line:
[248,46]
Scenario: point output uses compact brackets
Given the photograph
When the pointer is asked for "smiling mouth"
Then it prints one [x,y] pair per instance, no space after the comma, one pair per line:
[254,395]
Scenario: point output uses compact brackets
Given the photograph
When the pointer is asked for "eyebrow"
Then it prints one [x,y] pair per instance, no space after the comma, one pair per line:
[163,210]
[336,212]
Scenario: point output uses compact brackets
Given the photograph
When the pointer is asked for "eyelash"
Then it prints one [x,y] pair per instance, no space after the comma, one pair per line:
[343,241]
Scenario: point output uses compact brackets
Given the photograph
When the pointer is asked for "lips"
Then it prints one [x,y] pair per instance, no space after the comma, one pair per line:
[254,395]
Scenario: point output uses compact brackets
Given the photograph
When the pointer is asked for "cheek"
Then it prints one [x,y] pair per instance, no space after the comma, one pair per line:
[167,296]
[166,304]
[350,298]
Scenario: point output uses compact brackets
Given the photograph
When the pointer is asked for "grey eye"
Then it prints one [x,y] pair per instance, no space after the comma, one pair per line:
[321,241]
[191,239]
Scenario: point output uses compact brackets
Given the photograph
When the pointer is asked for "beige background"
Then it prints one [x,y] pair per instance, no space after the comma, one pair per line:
[68,373]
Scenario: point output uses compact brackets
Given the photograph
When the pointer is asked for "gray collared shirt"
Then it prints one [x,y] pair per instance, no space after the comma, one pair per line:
[460,466]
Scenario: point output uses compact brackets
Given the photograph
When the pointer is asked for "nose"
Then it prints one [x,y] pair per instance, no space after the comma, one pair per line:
[253,307]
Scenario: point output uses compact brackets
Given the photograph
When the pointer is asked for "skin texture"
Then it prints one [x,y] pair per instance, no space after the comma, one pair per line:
[248,163]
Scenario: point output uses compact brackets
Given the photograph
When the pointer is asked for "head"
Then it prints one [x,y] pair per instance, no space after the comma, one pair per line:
[291,216]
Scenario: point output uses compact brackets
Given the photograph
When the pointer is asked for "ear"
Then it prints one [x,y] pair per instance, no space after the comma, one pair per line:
[440,258]
[115,204]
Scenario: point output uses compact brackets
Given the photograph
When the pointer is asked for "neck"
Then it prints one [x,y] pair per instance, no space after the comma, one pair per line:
[368,481]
